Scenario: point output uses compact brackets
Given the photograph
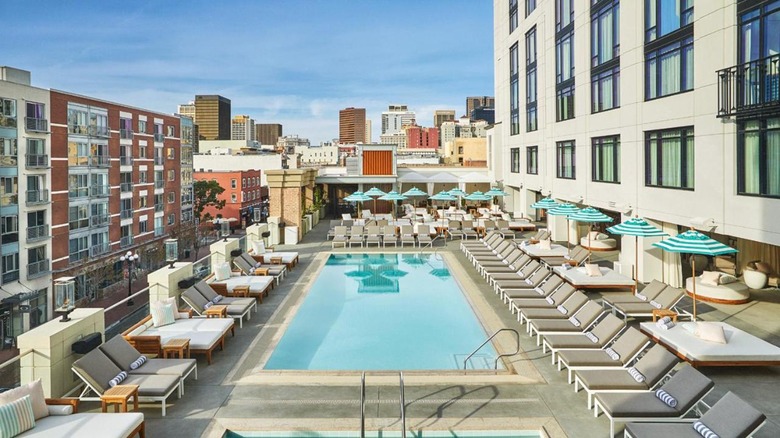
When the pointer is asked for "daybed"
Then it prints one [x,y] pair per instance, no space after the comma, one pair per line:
[60,418]
[730,293]
[224,281]
[259,250]
[598,242]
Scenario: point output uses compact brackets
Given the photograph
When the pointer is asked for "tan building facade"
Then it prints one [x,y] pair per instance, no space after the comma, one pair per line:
[352,125]
[468,152]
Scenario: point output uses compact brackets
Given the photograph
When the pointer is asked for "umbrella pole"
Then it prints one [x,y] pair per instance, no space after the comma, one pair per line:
[568,237]
[693,280]
[636,263]
[589,244]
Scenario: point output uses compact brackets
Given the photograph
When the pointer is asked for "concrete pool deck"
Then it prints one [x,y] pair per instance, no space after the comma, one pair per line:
[232,393]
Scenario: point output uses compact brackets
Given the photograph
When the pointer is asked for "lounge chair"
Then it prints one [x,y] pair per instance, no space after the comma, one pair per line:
[513,261]
[199,296]
[424,236]
[499,251]
[373,236]
[622,351]
[389,236]
[468,230]
[539,235]
[289,258]
[346,217]
[650,369]
[564,310]
[503,228]
[340,237]
[355,236]
[96,369]
[224,282]
[528,277]
[687,387]
[552,300]
[729,417]
[667,299]
[454,230]
[549,286]
[332,230]
[576,257]
[652,290]
[586,316]
[510,289]
[489,241]
[407,235]
[601,334]
[253,264]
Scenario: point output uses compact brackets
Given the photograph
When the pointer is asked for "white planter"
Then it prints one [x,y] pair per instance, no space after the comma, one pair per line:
[755,279]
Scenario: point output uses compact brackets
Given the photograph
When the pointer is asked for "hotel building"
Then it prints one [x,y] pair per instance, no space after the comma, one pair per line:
[668,110]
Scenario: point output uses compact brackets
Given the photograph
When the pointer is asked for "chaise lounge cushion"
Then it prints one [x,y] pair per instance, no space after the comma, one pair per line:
[86,425]
[97,369]
[35,390]
[123,354]
[153,385]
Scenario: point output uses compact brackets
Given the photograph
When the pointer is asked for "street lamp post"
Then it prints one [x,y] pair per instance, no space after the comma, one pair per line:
[129,260]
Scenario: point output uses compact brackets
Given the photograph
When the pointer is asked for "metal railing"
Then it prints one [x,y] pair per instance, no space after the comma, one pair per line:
[11,371]
[159,184]
[126,214]
[158,137]
[8,161]
[96,250]
[125,241]
[749,88]
[37,232]
[35,197]
[495,365]
[402,401]
[126,187]
[100,161]
[159,207]
[79,255]
[125,161]
[37,269]
[159,161]
[36,125]
[99,220]
[99,131]
[159,231]
[126,133]
[99,191]
[6,200]
[36,161]
[7,122]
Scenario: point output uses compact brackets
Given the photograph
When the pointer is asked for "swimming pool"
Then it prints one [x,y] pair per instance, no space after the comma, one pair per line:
[383,312]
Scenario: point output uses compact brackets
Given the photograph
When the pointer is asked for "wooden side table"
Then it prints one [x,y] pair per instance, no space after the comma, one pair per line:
[240,291]
[261,271]
[661,313]
[216,311]
[118,396]
[176,347]
[276,260]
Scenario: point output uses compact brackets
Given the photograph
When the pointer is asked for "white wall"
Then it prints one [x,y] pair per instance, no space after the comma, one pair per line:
[262,162]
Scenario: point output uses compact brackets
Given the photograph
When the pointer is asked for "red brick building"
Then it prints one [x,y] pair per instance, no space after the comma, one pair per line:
[243,193]
[419,137]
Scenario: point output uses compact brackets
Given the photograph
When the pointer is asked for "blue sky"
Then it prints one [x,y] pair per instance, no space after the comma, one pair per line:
[293,62]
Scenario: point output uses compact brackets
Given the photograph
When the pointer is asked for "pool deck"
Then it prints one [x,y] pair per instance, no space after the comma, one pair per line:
[233,393]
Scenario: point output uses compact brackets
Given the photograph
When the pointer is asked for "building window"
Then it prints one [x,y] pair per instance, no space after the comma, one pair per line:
[758,158]
[142,178]
[606,159]
[564,103]
[9,233]
[514,160]
[10,265]
[669,158]
[142,126]
[171,153]
[669,69]
[243,182]
[605,57]
[564,59]
[142,151]
[171,197]
[142,202]
[514,89]
[171,175]
[530,5]
[531,121]
[564,14]
[532,160]
[7,112]
[565,159]
[171,131]
[512,15]
[171,219]
[9,152]
[663,17]
[143,226]
[233,183]
[233,198]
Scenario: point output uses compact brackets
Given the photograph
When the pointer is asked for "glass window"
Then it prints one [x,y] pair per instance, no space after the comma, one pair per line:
[565,164]
[605,90]
[669,69]
[9,231]
[564,58]
[531,123]
[606,159]
[758,158]
[669,158]
[514,160]
[663,17]
[171,219]
[512,15]
[171,197]
[10,265]
[9,152]
[564,13]
[142,126]
[7,112]
[530,5]
[532,160]
[564,103]
[514,89]
[605,33]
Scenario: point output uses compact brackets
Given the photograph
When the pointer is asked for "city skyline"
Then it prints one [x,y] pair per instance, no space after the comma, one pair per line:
[299,79]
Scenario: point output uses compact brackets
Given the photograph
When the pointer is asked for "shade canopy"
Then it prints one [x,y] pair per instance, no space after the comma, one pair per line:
[636,226]
[589,214]
[565,209]
[443,196]
[357,197]
[392,196]
[495,191]
[457,192]
[414,191]
[694,242]
[546,204]
[477,196]
[375,192]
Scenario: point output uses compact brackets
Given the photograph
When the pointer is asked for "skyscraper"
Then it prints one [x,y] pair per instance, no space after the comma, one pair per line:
[474,102]
[242,128]
[369,131]
[396,118]
[268,133]
[212,115]
[352,125]
[441,116]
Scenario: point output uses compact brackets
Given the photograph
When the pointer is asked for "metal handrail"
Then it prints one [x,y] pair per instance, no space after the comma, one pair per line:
[126,299]
[495,365]
[363,404]
[15,358]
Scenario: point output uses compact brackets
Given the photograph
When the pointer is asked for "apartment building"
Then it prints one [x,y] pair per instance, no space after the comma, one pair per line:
[667,110]
[242,128]
[268,133]
[25,205]
[441,116]
[396,118]
[476,102]
[420,137]
[352,125]
[243,193]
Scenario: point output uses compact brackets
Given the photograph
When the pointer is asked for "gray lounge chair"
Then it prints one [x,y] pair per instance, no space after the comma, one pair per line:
[248,264]
[424,235]
[576,256]
[585,317]
[407,235]
[509,270]
[373,236]
[650,292]
[389,236]
[627,346]
[565,310]
[729,417]
[489,241]
[237,307]
[687,386]
[667,299]
[355,236]
[550,285]
[503,228]
[468,230]
[340,237]
[529,277]
[601,334]
[454,230]
[555,299]
[332,230]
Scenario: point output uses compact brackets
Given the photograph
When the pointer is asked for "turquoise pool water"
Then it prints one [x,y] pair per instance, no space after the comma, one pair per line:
[383,312]
[390,434]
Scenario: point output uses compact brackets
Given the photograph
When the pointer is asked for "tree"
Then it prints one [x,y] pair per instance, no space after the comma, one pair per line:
[205,194]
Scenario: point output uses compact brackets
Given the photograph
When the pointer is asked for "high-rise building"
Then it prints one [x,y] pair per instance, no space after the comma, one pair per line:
[396,118]
[268,133]
[441,116]
[212,115]
[369,131]
[352,125]
[242,128]
[448,131]
[187,109]
[419,137]
[474,102]
[487,114]
[641,130]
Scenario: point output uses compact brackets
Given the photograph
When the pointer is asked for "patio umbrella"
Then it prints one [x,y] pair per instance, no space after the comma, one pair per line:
[565,209]
[414,192]
[591,215]
[358,197]
[393,273]
[694,242]
[495,192]
[545,204]
[375,193]
[393,196]
[636,227]
[443,196]
[477,196]
[459,193]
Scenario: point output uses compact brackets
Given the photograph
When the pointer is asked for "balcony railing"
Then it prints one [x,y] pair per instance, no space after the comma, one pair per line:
[126,241]
[158,137]
[750,89]
[99,191]
[7,122]
[126,187]
[100,161]
[78,255]
[10,276]
[79,192]
[99,220]
[37,232]
[8,161]
[36,125]
[126,133]
[159,231]
[36,197]
[8,200]
[126,214]
[159,207]
[78,224]
[99,131]
[96,250]
[37,161]
[159,161]
[159,184]
[125,161]
[37,269]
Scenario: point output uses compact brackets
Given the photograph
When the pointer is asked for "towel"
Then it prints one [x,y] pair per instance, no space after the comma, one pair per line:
[612,353]
[665,323]
[118,379]
[528,280]
[217,299]
[656,305]
[562,309]
[666,398]
[636,374]
[575,322]
[703,430]
[641,297]
[593,338]
[549,300]
[137,363]
[207,305]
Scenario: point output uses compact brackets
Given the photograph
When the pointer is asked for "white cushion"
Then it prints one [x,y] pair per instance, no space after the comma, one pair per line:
[137,331]
[222,272]
[258,247]
[601,236]
[710,278]
[162,313]
[109,425]
[710,332]
[545,244]
[594,235]
[592,270]
[726,279]
[35,390]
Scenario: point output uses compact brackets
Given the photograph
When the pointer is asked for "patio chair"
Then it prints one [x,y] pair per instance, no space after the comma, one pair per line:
[576,257]
[550,311]
[454,229]
[556,298]
[346,217]
[259,281]
[489,241]
[506,269]
[667,299]
[581,321]
[499,253]
[622,352]
[340,237]
[650,292]
[490,226]
[520,279]
[237,307]
[356,236]
[424,236]
[373,236]
[248,266]
[549,286]
[407,235]
[389,236]
[601,334]
[289,258]
[468,230]
[492,250]
[687,387]
[649,370]
[539,235]
[332,230]
[729,417]
[503,228]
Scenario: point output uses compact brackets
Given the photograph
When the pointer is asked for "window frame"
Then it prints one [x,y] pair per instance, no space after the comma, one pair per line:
[514,89]
[532,160]
[531,79]
[598,145]
[530,6]
[513,16]
[514,160]
[657,54]
[684,159]
[763,159]
[560,165]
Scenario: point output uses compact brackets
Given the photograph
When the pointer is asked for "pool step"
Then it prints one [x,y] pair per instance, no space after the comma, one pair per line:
[477,361]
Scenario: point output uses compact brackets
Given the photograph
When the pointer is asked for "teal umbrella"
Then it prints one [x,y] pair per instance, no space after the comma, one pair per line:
[565,209]
[636,227]
[374,193]
[414,192]
[393,273]
[459,193]
[393,196]
[443,196]
[358,197]
[545,204]
[358,274]
[495,192]
[441,273]
[694,242]
[591,215]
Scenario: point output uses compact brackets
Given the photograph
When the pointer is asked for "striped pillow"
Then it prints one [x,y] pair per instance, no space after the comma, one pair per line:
[636,374]
[16,417]
[666,398]
[162,314]
[703,430]
[549,300]
[656,305]
[641,297]
[593,338]
[118,379]
[137,363]
[612,353]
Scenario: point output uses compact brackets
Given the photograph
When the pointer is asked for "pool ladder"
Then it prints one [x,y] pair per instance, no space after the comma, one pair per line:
[363,405]
[495,365]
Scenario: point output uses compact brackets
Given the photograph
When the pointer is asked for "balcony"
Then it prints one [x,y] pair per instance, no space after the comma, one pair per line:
[159,161]
[7,122]
[99,220]
[38,232]
[10,276]
[100,161]
[750,89]
[159,184]
[96,250]
[8,200]
[158,137]
[126,134]
[37,161]
[37,197]
[125,241]
[99,131]
[126,214]
[159,207]
[8,161]
[79,192]
[36,125]
[126,187]
[125,161]
[78,224]
[159,231]
[38,269]
[99,191]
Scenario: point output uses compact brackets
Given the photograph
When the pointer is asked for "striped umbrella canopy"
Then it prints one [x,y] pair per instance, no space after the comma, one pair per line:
[457,192]
[546,204]
[443,196]
[495,191]
[565,209]
[637,227]
[358,197]
[477,196]
[374,193]
[589,214]
[414,191]
[393,196]
[694,242]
